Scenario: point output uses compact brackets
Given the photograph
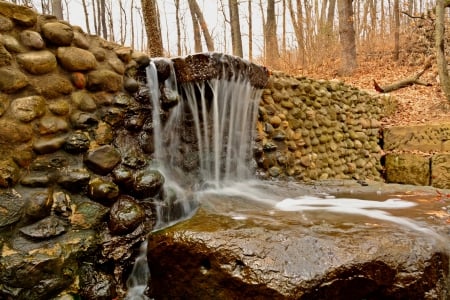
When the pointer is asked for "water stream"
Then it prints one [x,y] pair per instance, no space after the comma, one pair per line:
[222,114]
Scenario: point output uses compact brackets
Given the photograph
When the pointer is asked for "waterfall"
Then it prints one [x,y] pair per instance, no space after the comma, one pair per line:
[204,141]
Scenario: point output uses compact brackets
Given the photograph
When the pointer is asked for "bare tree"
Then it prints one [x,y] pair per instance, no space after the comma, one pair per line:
[196,27]
[250,31]
[151,22]
[297,22]
[440,46]
[86,16]
[236,38]
[271,42]
[197,17]
[347,35]
[57,9]
[177,17]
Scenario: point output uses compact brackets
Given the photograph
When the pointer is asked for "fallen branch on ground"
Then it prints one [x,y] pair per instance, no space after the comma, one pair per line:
[404,82]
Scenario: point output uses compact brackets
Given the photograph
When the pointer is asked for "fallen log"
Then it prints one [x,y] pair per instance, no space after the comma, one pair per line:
[404,82]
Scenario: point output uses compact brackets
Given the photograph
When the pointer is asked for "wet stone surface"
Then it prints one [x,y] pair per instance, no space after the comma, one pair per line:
[239,249]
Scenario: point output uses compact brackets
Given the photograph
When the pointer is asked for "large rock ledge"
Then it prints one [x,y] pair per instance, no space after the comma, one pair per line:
[281,255]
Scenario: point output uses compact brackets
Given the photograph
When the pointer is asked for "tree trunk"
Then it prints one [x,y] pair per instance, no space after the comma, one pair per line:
[272,54]
[196,28]
[440,47]
[347,35]
[86,16]
[396,29]
[250,31]
[201,20]
[102,6]
[57,9]
[297,23]
[151,22]
[236,38]
[177,18]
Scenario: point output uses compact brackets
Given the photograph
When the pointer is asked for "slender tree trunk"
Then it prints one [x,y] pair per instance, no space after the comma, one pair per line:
[347,35]
[440,47]
[177,17]
[57,9]
[196,28]
[250,31]
[272,54]
[102,6]
[86,17]
[151,22]
[236,38]
[201,20]
[297,23]
[396,29]
[132,23]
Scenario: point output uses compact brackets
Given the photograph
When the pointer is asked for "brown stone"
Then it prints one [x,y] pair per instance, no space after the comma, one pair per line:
[440,170]
[408,168]
[37,62]
[425,138]
[29,108]
[76,59]
[52,85]
[104,80]
[57,33]
[12,80]
[21,15]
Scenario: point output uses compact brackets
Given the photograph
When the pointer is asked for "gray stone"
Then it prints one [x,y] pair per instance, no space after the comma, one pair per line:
[45,145]
[38,204]
[45,228]
[103,159]
[83,120]
[37,62]
[52,124]
[57,33]
[11,204]
[76,59]
[32,39]
[83,101]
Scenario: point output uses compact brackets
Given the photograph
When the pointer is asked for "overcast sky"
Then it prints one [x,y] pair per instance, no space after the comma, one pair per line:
[212,13]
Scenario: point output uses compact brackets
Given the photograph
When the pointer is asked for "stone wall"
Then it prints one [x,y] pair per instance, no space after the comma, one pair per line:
[316,129]
[418,154]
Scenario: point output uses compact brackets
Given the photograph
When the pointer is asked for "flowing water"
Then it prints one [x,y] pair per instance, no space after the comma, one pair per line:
[222,116]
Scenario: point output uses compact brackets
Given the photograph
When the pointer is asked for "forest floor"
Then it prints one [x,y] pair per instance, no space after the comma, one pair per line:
[415,104]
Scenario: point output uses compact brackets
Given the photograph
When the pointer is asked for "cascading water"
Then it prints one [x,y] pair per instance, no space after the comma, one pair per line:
[204,140]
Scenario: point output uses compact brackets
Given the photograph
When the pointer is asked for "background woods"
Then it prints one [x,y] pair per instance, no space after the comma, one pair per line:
[296,36]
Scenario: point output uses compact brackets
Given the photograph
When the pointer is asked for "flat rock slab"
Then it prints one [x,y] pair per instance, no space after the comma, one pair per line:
[425,138]
[235,249]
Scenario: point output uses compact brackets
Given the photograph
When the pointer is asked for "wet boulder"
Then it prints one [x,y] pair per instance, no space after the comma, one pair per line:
[103,191]
[147,183]
[233,249]
[103,159]
[126,214]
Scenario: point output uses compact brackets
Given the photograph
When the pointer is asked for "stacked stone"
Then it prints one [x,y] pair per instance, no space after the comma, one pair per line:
[74,152]
[311,130]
